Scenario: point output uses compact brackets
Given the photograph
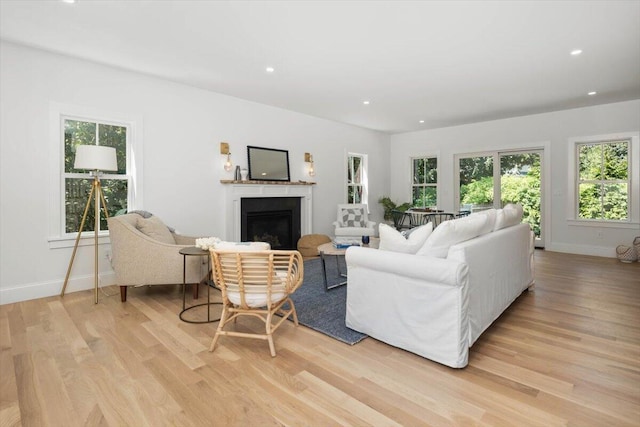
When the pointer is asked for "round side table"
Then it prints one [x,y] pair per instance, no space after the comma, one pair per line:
[193,251]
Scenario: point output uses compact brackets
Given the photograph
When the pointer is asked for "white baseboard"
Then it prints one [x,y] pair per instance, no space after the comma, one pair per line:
[47,289]
[582,250]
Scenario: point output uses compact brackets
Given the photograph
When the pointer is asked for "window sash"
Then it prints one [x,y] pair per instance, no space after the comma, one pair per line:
[429,180]
[355,178]
[602,183]
[111,175]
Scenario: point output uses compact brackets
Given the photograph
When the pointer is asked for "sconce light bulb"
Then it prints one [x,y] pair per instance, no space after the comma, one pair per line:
[312,171]
[228,165]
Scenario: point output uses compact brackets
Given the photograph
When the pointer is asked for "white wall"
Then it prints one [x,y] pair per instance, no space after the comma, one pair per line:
[182,128]
[551,130]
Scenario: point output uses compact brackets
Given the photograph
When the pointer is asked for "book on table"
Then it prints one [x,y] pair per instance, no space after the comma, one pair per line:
[345,242]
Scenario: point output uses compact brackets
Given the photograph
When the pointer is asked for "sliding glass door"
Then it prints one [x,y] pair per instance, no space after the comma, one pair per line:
[494,179]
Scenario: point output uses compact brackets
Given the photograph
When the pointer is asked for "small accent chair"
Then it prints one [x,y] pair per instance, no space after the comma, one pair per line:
[353,221]
[256,284]
[401,220]
[145,252]
[439,217]
[419,218]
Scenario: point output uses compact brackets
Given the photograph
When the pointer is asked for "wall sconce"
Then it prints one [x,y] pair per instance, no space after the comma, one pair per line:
[308,158]
[224,149]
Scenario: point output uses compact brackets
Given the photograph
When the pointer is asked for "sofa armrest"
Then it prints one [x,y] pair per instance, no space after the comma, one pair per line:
[428,269]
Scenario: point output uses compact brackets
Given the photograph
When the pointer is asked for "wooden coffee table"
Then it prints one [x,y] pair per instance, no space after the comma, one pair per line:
[327,249]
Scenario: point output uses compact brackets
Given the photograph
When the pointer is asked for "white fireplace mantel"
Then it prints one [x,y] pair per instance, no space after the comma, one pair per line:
[237,190]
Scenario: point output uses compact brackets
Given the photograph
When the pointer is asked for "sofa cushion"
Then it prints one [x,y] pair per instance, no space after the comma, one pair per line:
[508,216]
[155,229]
[353,217]
[451,232]
[491,220]
[394,241]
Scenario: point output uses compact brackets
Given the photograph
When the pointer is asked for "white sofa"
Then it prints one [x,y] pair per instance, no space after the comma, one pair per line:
[438,307]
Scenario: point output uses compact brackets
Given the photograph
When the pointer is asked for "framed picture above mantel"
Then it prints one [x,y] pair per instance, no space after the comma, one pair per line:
[268,164]
[231,181]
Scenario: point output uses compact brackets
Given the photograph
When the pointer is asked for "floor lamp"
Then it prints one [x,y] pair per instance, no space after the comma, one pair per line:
[96,158]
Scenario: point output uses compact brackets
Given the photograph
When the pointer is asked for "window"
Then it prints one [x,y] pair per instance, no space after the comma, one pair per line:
[424,187]
[356,178]
[603,180]
[69,188]
[77,182]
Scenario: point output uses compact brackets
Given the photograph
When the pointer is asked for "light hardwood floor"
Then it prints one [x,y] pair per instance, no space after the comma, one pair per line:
[566,354]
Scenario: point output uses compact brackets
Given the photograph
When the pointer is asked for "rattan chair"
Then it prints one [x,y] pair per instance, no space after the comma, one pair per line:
[256,284]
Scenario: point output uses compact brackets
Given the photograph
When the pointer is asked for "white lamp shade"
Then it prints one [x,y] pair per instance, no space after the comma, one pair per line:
[96,157]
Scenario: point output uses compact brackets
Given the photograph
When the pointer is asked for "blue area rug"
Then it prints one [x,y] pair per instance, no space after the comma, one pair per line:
[324,311]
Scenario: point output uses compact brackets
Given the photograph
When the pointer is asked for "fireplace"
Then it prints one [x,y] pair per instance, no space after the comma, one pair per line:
[275,220]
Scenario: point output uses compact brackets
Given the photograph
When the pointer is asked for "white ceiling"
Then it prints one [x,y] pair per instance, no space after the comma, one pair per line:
[444,62]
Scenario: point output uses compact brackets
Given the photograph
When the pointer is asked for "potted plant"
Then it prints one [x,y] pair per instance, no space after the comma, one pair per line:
[389,205]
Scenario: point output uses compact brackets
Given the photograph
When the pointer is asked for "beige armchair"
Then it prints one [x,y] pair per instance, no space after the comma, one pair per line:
[146,252]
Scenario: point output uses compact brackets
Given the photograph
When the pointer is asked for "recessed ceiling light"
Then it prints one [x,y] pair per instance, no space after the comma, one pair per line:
[270,69]
[592,93]
[421,121]
[68,1]
[575,52]
[366,102]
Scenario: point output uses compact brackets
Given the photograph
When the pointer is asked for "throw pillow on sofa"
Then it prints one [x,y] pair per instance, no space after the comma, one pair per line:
[491,220]
[508,216]
[394,241]
[451,232]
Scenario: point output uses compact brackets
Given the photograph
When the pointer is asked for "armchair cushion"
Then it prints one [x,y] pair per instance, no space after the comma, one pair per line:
[356,215]
[155,229]
[353,217]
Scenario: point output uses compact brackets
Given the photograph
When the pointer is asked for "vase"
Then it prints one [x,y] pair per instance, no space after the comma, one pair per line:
[243,174]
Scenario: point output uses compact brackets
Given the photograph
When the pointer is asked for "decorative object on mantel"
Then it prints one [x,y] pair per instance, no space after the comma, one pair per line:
[237,175]
[244,173]
[308,158]
[224,149]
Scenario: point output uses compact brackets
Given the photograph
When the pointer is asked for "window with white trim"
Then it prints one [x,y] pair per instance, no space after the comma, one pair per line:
[69,188]
[78,182]
[604,177]
[603,180]
[424,186]
[357,178]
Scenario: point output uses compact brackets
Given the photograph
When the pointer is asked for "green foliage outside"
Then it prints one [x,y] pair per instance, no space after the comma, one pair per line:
[603,179]
[425,180]
[476,177]
[77,189]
